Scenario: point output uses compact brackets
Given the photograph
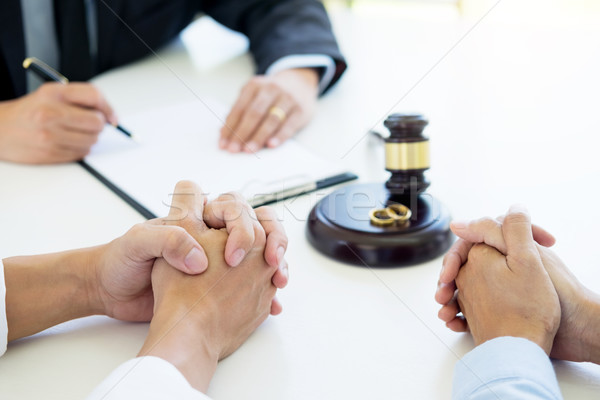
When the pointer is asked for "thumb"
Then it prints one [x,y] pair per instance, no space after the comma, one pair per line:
[517,231]
[149,240]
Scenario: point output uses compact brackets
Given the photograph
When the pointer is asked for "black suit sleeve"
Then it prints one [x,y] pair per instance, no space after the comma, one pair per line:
[280,28]
[12,51]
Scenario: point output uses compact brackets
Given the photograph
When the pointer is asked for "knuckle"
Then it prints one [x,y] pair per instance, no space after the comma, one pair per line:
[266,213]
[44,115]
[487,222]
[238,200]
[255,111]
[97,122]
[479,252]
[287,98]
[257,80]
[176,238]
[526,257]
[228,200]
[137,229]
[46,138]
[237,196]
[273,87]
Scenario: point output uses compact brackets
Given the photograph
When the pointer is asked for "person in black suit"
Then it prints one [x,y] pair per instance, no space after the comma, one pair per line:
[295,51]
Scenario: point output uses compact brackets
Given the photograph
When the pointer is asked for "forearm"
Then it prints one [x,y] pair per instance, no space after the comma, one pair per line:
[592,330]
[45,290]
[175,337]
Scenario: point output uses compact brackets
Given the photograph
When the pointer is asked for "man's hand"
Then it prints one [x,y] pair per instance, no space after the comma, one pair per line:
[120,275]
[509,294]
[201,319]
[243,224]
[270,110]
[120,281]
[577,336]
[56,123]
[457,255]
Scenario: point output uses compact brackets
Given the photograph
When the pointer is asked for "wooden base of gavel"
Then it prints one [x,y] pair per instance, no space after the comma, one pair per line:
[386,224]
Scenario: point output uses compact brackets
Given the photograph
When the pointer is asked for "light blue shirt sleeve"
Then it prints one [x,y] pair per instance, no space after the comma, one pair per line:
[505,368]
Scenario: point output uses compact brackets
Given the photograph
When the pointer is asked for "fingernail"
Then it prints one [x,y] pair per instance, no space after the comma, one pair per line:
[195,260]
[283,267]
[234,147]
[458,224]
[222,143]
[251,147]
[114,120]
[237,257]
[274,142]
[280,253]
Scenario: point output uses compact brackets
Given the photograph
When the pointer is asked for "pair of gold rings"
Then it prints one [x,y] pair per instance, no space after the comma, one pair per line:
[278,112]
[394,214]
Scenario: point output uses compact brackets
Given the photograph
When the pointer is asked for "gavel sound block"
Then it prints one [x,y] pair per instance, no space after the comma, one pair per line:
[356,224]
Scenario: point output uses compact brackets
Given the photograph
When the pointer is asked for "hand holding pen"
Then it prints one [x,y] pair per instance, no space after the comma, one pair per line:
[56,123]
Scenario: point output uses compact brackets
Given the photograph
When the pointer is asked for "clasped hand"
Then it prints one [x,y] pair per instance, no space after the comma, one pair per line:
[500,279]
[122,268]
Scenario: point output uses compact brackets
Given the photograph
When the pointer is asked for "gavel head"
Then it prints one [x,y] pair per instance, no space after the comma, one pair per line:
[406,154]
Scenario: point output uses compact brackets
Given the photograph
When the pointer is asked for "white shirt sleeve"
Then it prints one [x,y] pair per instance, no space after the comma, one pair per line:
[3,321]
[140,378]
[148,378]
[505,368]
[306,61]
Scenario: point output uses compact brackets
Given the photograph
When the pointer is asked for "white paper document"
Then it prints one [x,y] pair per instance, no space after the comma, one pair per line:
[181,142]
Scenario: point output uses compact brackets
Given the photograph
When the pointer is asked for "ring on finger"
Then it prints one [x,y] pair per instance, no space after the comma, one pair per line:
[278,112]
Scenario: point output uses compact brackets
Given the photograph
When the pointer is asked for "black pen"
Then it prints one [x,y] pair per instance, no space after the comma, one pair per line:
[268,198]
[49,74]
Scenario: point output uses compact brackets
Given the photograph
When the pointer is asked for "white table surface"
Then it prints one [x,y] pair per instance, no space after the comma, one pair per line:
[514,118]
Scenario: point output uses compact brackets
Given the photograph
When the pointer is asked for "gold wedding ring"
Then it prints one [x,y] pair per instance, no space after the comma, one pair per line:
[278,112]
[381,217]
[394,214]
[399,212]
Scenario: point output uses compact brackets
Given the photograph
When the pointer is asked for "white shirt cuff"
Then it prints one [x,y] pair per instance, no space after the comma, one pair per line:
[3,321]
[505,367]
[306,61]
[148,378]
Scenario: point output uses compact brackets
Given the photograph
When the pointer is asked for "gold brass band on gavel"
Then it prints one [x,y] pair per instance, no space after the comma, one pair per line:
[394,214]
[407,155]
